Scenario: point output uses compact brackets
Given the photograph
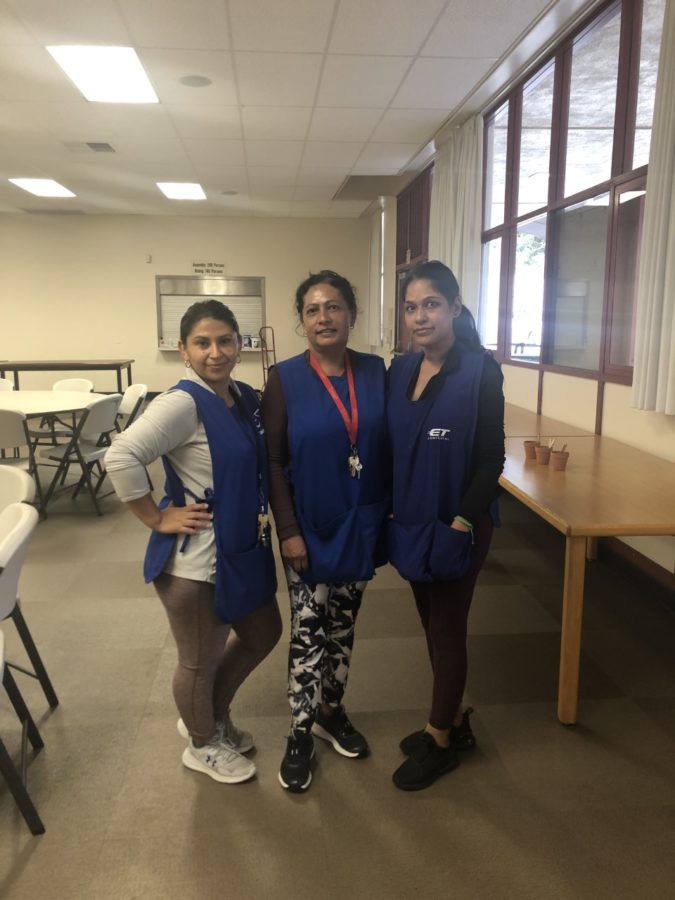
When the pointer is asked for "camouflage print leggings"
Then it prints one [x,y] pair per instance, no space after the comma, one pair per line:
[323,617]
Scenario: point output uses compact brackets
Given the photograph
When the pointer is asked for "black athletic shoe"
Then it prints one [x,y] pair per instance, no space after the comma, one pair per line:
[295,773]
[461,736]
[426,763]
[339,731]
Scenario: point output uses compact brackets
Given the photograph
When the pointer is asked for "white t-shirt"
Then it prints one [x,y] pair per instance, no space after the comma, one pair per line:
[169,427]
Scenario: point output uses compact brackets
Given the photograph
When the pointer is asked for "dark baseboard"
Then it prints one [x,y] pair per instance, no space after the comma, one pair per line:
[618,548]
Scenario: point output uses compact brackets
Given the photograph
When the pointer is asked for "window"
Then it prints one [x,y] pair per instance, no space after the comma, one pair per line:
[565,173]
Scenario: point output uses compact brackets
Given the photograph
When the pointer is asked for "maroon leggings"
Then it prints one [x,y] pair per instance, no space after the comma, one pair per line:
[444,609]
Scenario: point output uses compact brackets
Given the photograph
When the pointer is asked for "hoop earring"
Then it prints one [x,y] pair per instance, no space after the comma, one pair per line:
[238,359]
[188,364]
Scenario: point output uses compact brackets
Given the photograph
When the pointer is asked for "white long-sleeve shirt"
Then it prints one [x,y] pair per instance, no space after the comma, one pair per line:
[169,427]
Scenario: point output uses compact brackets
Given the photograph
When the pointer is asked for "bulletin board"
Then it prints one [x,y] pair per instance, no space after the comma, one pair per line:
[245,296]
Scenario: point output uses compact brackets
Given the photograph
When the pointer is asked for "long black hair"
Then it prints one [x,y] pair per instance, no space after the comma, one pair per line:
[325,276]
[445,283]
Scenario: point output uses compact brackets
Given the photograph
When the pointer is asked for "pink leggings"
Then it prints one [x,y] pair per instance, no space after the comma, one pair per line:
[214,659]
[443,607]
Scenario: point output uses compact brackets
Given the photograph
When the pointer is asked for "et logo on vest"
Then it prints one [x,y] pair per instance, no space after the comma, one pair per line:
[438,434]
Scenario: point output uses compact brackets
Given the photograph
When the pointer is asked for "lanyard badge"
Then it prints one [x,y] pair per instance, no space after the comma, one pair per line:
[351,422]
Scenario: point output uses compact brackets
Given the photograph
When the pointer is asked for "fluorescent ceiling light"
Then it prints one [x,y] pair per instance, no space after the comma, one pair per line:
[42,187]
[106,74]
[181,190]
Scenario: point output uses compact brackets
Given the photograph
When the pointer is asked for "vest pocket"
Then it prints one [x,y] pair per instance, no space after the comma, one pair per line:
[244,582]
[408,547]
[451,553]
[344,549]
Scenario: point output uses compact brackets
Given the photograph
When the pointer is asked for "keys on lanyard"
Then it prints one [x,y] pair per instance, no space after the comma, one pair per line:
[354,463]
[264,529]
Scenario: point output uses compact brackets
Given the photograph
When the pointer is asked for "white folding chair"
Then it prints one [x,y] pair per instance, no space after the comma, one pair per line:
[15,778]
[73,384]
[16,486]
[131,406]
[14,434]
[51,428]
[6,384]
[17,523]
[87,448]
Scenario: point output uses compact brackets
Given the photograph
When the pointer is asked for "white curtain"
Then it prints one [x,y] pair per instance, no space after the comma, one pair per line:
[456,210]
[654,370]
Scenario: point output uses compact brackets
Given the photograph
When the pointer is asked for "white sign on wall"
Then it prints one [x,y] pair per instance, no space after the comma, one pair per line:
[208,268]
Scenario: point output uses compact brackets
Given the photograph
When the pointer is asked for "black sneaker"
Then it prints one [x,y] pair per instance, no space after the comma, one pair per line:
[426,763]
[295,773]
[461,736]
[339,731]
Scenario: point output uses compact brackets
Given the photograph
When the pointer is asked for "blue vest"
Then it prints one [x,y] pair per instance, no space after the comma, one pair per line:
[431,442]
[245,572]
[341,518]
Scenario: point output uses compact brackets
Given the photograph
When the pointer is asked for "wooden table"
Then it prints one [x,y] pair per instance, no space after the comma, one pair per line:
[67,365]
[520,422]
[608,489]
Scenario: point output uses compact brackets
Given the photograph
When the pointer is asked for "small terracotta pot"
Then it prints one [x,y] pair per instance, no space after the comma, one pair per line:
[530,447]
[543,455]
[559,459]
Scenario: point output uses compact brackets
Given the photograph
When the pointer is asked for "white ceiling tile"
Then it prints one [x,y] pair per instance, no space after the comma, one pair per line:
[319,176]
[219,178]
[330,124]
[229,153]
[407,125]
[277,79]
[273,153]
[315,193]
[271,123]
[261,176]
[394,27]
[462,32]
[331,153]
[273,192]
[440,83]
[200,24]
[72,21]
[211,123]
[12,32]
[271,208]
[380,158]
[30,73]
[166,67]
[361,80]
[295,26]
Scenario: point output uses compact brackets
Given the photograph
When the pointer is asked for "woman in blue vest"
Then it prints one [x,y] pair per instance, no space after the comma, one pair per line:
[326,431]
[445,411]
[209,555]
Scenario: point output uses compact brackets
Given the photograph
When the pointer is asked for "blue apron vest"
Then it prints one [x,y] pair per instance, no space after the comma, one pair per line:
[341,518]
[431,442]
[245,571]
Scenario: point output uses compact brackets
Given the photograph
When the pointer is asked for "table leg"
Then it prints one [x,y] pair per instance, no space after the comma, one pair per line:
[570,640]
[591,548]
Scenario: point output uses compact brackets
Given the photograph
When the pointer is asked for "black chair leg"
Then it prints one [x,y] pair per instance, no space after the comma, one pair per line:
[34,656]
[19,792]
[21,709]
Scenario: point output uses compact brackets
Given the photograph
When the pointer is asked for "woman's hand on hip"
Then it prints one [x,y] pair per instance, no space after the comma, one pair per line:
[294,552]
[190,519]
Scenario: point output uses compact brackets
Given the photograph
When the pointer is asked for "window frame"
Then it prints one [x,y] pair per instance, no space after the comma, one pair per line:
[560,57]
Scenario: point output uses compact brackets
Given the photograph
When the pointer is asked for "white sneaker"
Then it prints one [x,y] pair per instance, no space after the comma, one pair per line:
[228,734]
[219,762]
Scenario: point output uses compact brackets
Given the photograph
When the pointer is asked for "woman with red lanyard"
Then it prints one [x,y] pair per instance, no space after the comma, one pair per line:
[324,418]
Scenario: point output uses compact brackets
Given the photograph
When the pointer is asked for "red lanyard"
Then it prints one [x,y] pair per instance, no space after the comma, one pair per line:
[351,422]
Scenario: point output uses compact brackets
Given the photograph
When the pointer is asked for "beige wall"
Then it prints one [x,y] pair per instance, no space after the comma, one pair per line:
[79,286]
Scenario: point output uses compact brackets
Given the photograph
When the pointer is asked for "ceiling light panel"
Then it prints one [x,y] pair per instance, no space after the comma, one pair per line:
[42,187]
[106,74]
[181,190]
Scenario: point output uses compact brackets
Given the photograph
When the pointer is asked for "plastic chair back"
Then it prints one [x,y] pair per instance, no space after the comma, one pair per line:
[73,384]
[100,417]
[132,402]
[13,429]
[6,384]
[17,523]
[16,486]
